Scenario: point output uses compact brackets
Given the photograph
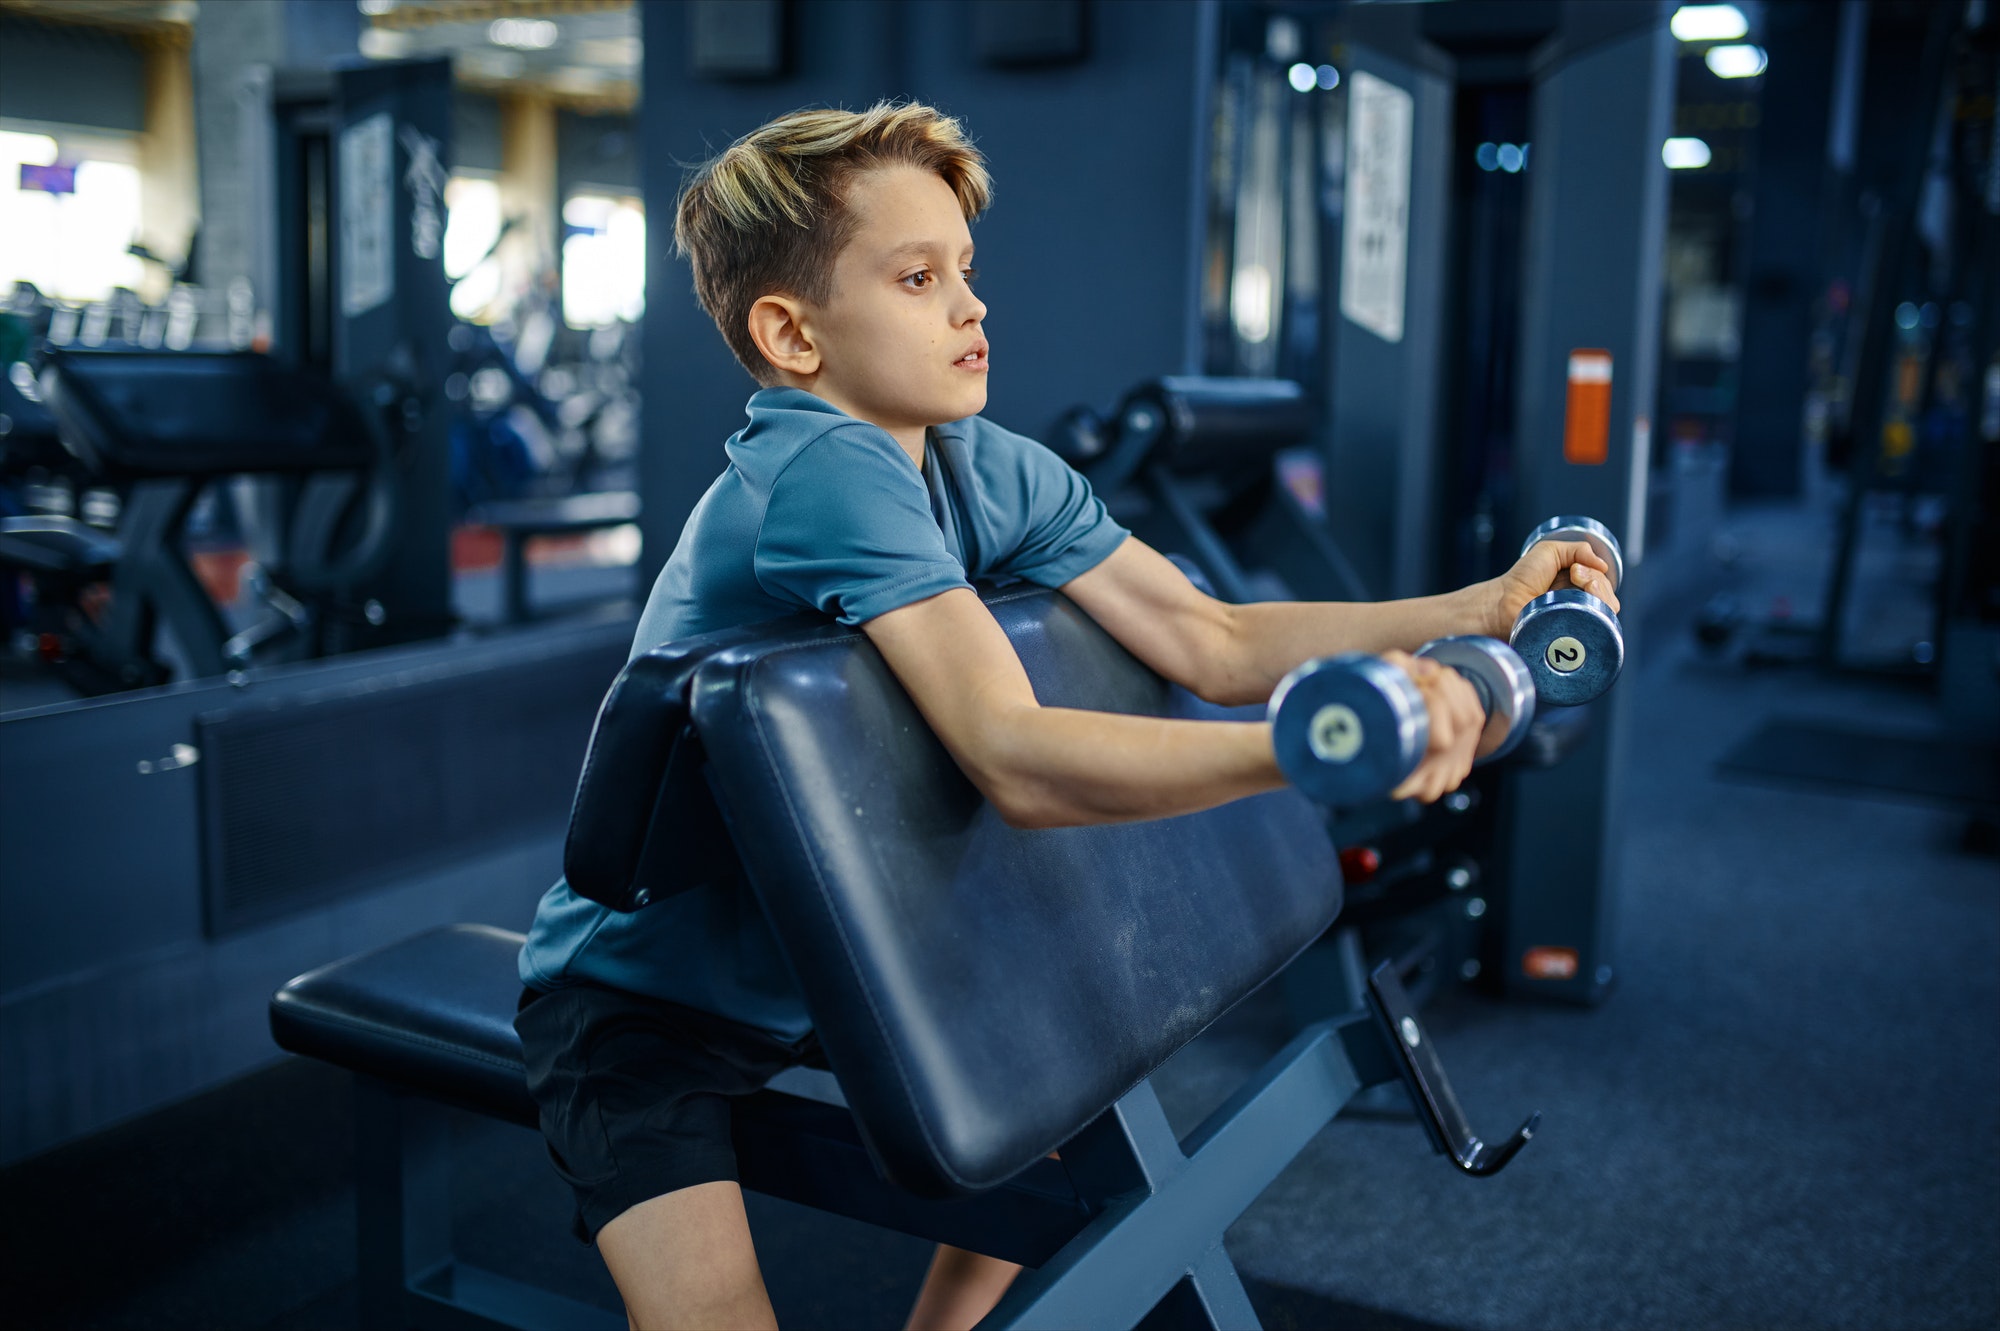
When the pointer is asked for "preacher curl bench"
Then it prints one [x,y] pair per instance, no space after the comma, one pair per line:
[983,994]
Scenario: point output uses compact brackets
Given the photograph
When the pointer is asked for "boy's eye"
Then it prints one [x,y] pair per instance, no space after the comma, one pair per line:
[971,276]
[920,279]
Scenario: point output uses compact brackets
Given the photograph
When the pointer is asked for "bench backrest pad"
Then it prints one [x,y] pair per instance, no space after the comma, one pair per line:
[984,991]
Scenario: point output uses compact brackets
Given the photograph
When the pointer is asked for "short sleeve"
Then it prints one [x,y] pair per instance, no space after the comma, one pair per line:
[849,530]
[1065,529]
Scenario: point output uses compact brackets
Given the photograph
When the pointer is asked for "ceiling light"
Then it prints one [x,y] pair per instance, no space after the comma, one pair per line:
[1736,62]
[617,52]
[578,80]
[1328,77]
[482,63]
[384,43]
[523,34]
[1709,23]
[1302,77]
[1684,154]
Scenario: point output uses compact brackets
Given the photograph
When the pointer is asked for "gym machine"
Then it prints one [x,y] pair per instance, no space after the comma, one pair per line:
[1918,417]
[1451,421]
[1209,468]
[359,169]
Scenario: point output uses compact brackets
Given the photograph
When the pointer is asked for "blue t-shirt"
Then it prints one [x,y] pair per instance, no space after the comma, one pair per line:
[815,510]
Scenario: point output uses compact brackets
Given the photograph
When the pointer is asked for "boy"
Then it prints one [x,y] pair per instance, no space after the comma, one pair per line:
[833,250]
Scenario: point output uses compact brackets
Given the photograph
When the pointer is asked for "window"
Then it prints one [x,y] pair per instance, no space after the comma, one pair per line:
[72,245]
[472,225]
[603,260]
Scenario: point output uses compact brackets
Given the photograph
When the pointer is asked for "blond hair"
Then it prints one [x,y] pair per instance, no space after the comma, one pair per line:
[769,214]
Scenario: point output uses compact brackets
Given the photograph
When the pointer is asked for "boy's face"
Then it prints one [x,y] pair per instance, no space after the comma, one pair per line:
[899,341]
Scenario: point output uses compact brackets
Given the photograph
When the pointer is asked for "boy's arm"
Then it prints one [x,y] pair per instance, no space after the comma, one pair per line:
[1057,766]
[1236,654]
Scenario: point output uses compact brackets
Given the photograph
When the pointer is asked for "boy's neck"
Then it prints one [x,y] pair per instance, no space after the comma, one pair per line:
[911,437]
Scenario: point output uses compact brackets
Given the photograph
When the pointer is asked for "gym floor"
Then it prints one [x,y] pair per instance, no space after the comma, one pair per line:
[1786,1115]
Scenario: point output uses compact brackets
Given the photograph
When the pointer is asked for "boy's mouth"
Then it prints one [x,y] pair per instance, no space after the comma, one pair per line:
[974,358]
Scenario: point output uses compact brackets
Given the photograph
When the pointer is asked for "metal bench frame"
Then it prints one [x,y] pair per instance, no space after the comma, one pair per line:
[1128,1219]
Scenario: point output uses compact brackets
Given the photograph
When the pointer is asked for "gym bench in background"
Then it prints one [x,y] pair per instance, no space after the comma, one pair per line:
[519,521]
[956,1066]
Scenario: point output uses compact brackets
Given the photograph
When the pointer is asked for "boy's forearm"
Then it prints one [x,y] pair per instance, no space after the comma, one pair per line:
[1062,767]
[1269,638]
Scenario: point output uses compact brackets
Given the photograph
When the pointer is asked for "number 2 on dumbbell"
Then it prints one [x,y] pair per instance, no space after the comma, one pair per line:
[1571,641]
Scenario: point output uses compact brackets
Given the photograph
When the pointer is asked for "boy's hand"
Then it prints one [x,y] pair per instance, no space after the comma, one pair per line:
[1457,722]
[1547,567]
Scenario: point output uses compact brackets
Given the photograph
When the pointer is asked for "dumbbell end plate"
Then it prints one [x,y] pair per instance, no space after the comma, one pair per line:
[1572,644]
[1347,729]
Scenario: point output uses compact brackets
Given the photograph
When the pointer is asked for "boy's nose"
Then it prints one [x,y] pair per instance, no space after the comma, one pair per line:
[971,308]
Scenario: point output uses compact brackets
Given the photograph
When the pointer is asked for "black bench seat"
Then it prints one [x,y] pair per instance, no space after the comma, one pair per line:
[431,1017]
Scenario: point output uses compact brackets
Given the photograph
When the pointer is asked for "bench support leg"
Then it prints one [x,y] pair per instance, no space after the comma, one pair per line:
[1162,1205]
[402,1197]
[514,578]
[409,1276]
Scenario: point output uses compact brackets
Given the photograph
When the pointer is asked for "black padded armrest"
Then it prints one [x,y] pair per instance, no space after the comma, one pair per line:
[983,992]
[433,1013]
[189,413]
[643,825]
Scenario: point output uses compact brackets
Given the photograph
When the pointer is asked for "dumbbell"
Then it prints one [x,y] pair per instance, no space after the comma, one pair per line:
[1570,640]
[1351,728]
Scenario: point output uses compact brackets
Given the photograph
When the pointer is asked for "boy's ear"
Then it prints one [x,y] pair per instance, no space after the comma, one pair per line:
[777,326]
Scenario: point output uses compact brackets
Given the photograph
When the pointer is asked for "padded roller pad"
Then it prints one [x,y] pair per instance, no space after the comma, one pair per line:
[1211,424]
[984,992]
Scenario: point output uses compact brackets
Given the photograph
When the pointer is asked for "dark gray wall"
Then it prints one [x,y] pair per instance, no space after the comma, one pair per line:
[70,75]
[1087,257]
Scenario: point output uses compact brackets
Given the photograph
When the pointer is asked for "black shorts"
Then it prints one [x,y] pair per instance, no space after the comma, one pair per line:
[634,1092]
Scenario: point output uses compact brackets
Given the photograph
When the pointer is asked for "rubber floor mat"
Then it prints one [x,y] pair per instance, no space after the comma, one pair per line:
[1930,768]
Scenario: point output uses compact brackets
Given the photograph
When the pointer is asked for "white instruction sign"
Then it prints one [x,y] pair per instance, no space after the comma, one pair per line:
[367,184]
[1376,238]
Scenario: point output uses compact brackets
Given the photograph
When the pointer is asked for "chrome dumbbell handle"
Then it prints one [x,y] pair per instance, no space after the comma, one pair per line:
[1503,682]
[1588,530]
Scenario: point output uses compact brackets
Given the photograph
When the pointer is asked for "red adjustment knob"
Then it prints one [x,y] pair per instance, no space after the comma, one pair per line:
[1359,863]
